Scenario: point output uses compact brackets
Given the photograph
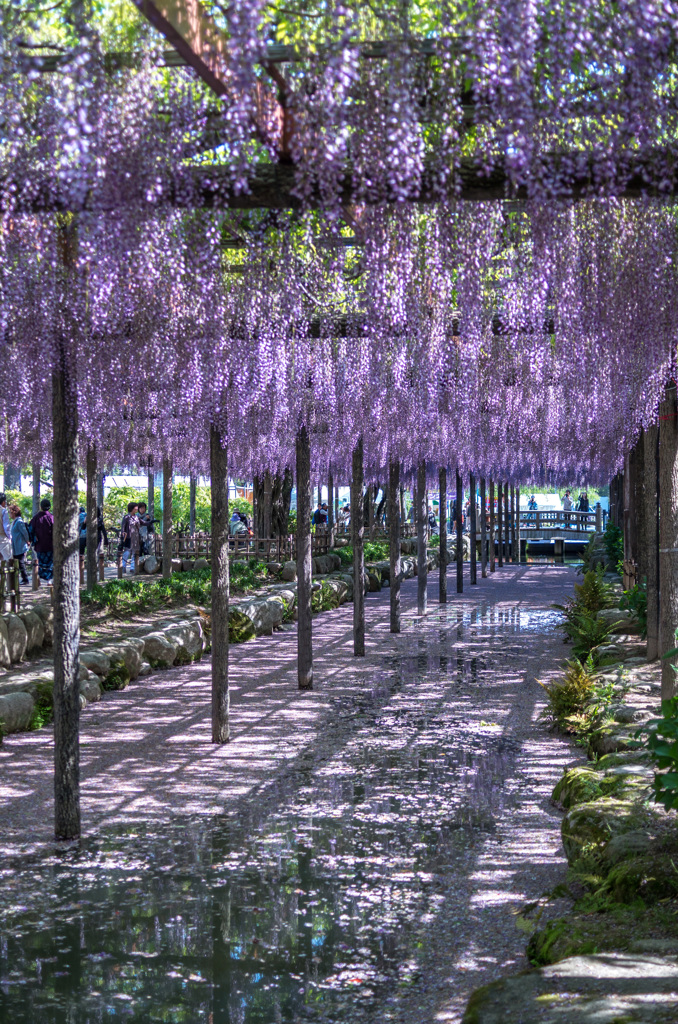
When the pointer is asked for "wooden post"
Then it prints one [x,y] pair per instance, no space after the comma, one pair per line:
[442,506]
[268,504]
[507,525]
[460,534]
[100,491]
[66,599]
[394,541]
[36,488]
[167,535]
[192,488]
[500,525]
[651,520]
[91,514]
[36,574]
[358,534]
[483,530]
[473,530]
[371,501]
[402,504]
[629,516]
[517,526]
[422,527]
[102,565]
[492,528]
[220,587]
[304,562]
[330,506]
[668,531]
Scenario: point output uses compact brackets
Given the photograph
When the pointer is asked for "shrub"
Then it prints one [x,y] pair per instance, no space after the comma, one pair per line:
[375,551]
[635,600]
[614,543]
[567,697]
[43,712]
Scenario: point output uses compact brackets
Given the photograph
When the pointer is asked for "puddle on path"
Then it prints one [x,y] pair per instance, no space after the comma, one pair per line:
[307,906]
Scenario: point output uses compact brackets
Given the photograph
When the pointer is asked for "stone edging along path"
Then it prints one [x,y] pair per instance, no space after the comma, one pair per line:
[614,956]
[177,639]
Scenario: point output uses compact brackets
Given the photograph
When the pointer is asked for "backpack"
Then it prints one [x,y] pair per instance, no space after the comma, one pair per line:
[82,525]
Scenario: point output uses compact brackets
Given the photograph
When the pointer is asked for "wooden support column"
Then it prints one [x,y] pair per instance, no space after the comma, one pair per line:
[422,529]
[517,525]
[150,497]
[629,518]
[192,488]
[483,529]
[394,541]
[268,505]
[402,504]
[304,562]
[36,488]
[91,515]
[358,536]
[651,521]
[220,586]
[442,507]
[492,528]
[473,529]
[371,502]
[668,537]
[100,491]
[639,506]
[507,525]
[66,598]
[460,533]
[330,506]
[500,525]
[167,534]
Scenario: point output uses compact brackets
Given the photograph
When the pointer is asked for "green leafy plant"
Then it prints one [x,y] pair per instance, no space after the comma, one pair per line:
[324,599]
[375,551]
[635,600]
[586,631]
[43,710]
[567,697]
[614,543]
[662,742]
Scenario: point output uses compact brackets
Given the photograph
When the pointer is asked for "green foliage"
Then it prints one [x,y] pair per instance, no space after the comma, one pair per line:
[127,597]
[118,677]
[43,712]
[567,697]
[662,742]
[375,551]
[582,625]
[324,599]
[117,499]
[614,543]
[635,600]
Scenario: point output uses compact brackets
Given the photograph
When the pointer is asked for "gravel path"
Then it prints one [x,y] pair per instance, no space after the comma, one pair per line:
[471,667]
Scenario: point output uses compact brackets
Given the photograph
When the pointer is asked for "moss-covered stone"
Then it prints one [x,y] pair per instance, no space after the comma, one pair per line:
[577,786]
[118,676]
[240,627]
[587,828]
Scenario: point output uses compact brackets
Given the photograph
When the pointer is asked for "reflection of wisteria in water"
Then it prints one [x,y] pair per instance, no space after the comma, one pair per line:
[309,904]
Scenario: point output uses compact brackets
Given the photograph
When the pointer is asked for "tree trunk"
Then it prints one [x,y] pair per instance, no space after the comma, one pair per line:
[483,530]
[192,488]
[517,526]
[100,491]
[514,555]
[394,542]
[422,529]
[442,508]
[330,505]
[91,514]
[304,562]
[651,518]
[473,530]
[492,526]
[460,535]
[66,601]
[500,525]
[629,510]
[507,524]
[358,534]
[150,497]
[371,502]
[220,586]
[167,470]
[639,506]
[668,532]
[402,504]
[268,505]
[36,488]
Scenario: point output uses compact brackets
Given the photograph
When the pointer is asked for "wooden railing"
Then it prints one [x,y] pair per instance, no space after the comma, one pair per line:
[581,522]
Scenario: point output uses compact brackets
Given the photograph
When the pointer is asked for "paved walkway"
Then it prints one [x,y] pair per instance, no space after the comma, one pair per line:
[146,754]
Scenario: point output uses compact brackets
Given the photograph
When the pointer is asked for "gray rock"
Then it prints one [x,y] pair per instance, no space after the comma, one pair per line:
[597,989]
[45,612]
[90,689]
[373,582]
[620,620]
[201,563]
[129,653]
[265,613]
[96,661]
[150,564]
[145,669]
[289,572]
[16,711]
[18,637]
[189,639]
[5,660]
[274,567]
[160,650]
[176,565]
[187,564]
[629,844]
[35,630]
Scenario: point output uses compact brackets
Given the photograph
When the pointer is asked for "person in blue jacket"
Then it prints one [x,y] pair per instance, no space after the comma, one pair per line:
[20,540]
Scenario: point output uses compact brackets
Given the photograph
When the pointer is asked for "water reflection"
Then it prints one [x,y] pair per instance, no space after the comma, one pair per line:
[307,904]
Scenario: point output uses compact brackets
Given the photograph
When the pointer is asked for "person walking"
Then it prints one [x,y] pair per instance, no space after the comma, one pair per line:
[20,540]
[129,544]
[41,530]
[82,531]
[583,503]
[5,529]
